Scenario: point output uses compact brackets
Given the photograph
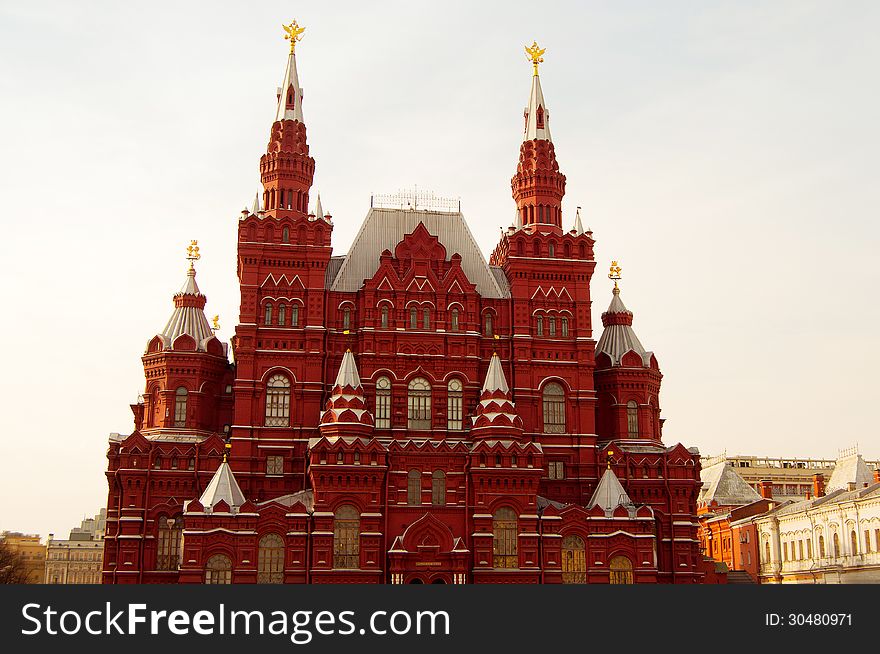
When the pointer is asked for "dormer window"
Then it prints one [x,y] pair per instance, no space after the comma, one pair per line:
[539,114]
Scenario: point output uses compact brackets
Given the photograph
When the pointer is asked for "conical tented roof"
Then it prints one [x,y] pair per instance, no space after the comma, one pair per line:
[609,494]
[222,486]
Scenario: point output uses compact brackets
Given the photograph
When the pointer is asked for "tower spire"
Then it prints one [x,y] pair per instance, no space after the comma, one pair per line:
[538,186]
[287,170]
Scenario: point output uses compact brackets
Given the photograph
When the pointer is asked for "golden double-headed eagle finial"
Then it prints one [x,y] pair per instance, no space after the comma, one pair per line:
[192,252]
[216,321]
[535,54]
[293,33]
[614,273]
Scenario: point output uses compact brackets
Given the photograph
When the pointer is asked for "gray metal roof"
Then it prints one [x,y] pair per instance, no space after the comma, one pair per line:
[848,470]
[384,228]
[222,486]
[609,494]
[617,340]
[722,484]
[189,320]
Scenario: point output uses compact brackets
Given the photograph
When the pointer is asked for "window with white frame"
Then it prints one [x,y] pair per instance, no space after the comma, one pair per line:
[454,400]
[274,465]
[383,403]
[278,401]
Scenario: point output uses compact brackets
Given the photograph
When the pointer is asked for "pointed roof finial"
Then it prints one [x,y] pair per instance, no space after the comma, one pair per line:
[614,274]
[578,225]
[293,33]
[535,54]
[319,210]
[256,208]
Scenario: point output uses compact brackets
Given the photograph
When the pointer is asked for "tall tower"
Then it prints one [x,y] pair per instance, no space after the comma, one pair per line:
[538,186]
[283,253]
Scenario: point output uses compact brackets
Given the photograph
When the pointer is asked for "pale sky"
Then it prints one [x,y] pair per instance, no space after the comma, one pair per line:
[724,152]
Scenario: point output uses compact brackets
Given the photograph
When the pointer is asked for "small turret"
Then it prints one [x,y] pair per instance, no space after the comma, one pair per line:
[346,411]
[496,415]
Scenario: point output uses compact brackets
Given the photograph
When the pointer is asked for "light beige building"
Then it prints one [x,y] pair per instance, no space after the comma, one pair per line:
[792,479]
[79,559]
[31,549]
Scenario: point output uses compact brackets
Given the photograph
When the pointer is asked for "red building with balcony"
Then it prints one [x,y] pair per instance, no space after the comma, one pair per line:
[407,412]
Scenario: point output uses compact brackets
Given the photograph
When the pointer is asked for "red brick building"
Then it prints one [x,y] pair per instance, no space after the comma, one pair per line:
[406,412]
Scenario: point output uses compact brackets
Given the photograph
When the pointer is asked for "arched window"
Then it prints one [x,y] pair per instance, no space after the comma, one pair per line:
[854,542]
[836,542]
[294,316]
[285,233]
[346,538]
[564,325]
[384,313]
[180,396]
[419,404]
[218,570]
[632,419]
[278,401]
[383,403]
[552,248]
[574,560]
[767,551]
[536,248]
[282,314]
[620,570]
[551,323]
[170,537]
[821,546]
[487,325]
[453,321]
[554,409]
[414,488]
[346,318]
[268,313]
[413,318]
[438,488]
[504,530]
[426,318]
[270,560]
[454,404]
[540,321]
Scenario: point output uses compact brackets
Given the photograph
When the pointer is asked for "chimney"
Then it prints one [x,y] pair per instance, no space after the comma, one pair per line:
[877,475]
[766,489]
[819,485]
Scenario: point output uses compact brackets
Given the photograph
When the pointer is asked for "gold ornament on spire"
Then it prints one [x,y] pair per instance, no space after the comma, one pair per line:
[293,33]
[535,54]
[192,253]
[216,321]
[614,273]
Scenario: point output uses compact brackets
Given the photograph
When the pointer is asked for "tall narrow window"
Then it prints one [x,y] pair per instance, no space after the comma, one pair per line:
[854,542]
[180,396]
[540,323]
[821,546]
[426,319]
[563,323]
[489,331]
[383,403]
[294,316]
[268,313]
[836,542]
[554,409]
[552,248]
[453,321]
[551,323]
[282,314]
[413,318]
[438,488]
[620,570]
[218,570]
[170,537]
[504,531]
[632,419]
[414,488]
[270,560]
[346,538]
[285,234]
[454,404]
[574,560]
[384,317]
[419,404]
[346,318]
[278,401]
